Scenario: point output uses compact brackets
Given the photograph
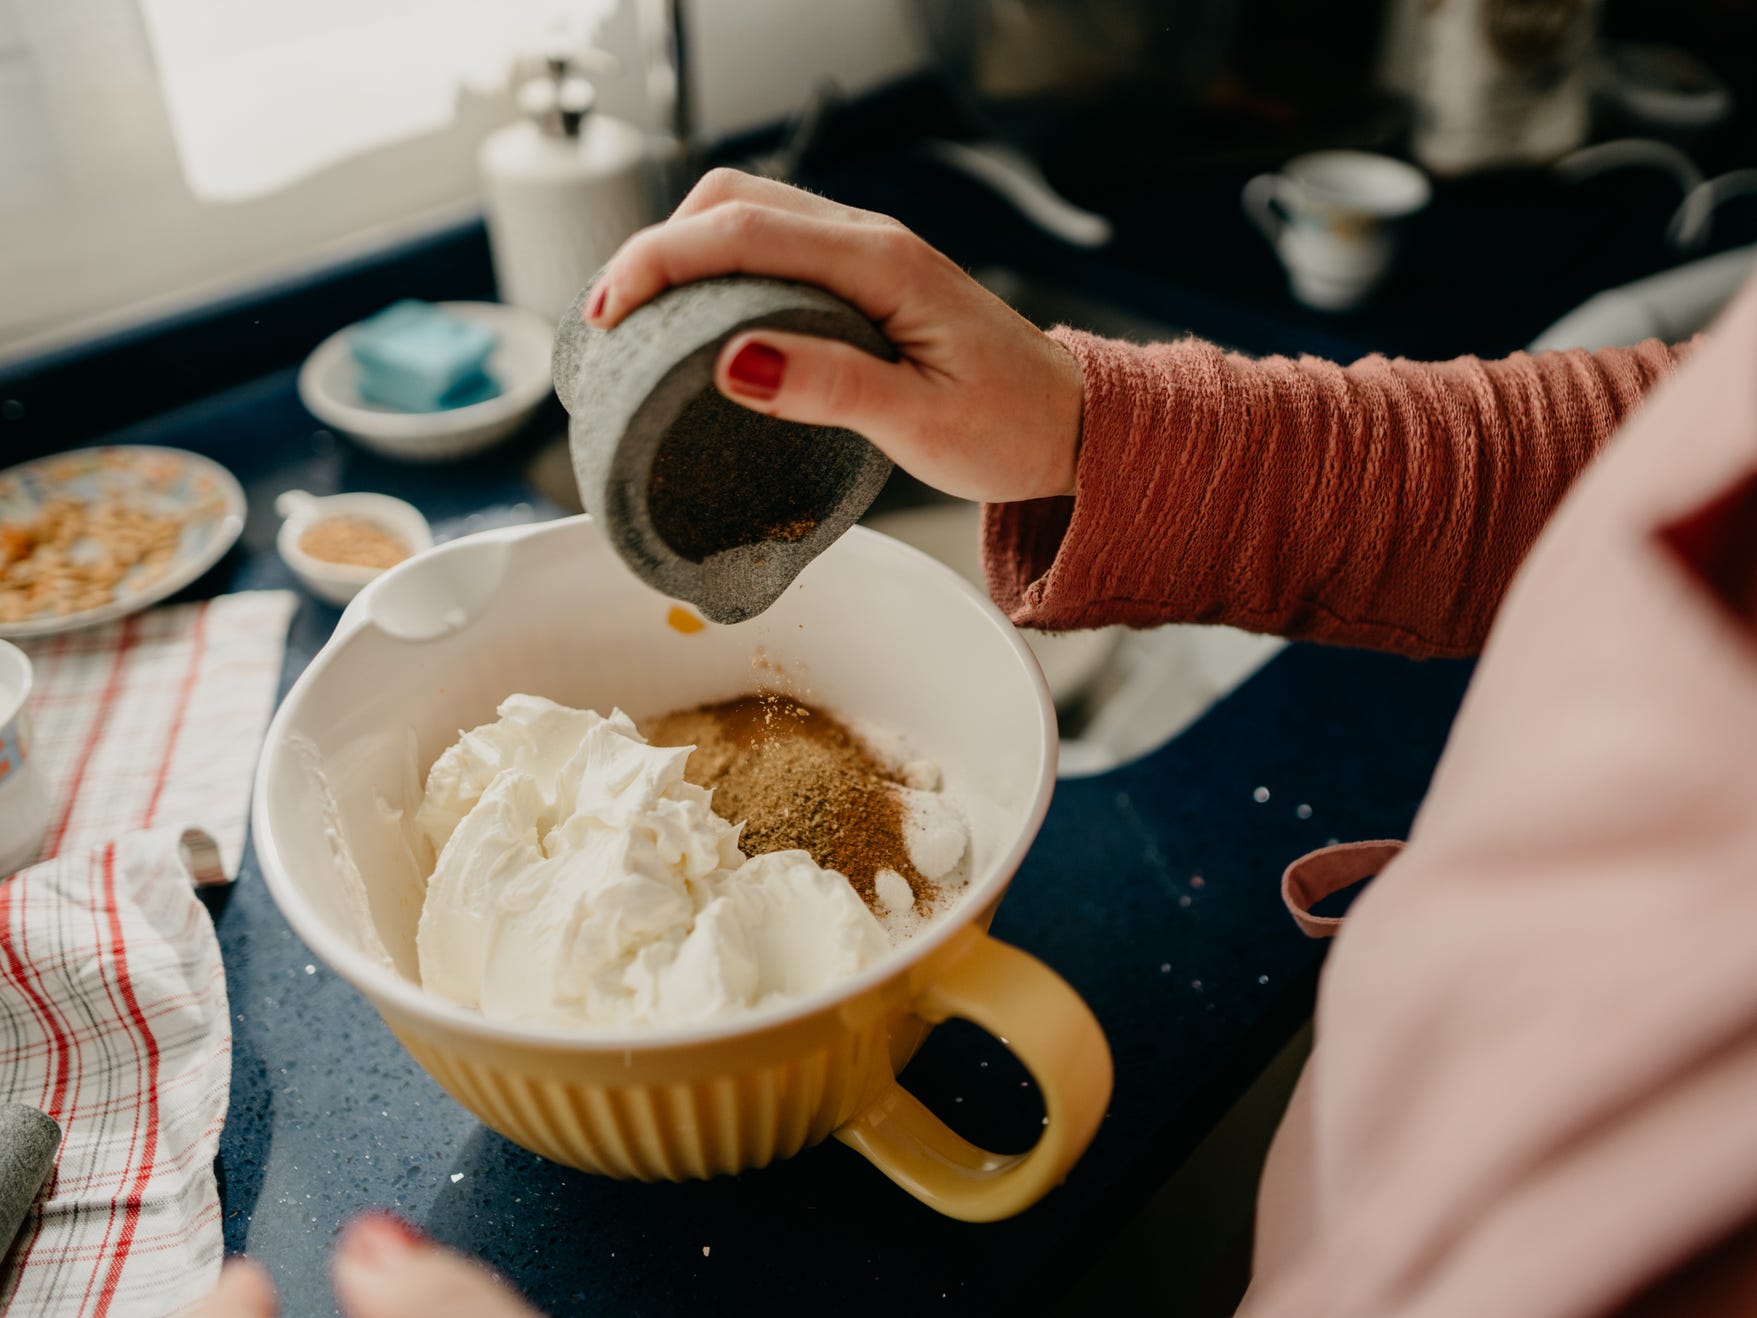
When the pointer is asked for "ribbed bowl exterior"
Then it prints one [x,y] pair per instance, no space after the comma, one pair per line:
[577,1110]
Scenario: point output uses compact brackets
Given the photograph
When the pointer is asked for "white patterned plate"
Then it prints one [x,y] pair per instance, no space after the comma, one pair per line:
[168,482]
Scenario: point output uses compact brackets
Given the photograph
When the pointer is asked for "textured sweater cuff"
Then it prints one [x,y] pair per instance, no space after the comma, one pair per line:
[1385,504]
[1052,563]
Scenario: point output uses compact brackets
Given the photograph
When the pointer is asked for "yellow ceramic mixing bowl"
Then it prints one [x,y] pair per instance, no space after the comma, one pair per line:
[872,630]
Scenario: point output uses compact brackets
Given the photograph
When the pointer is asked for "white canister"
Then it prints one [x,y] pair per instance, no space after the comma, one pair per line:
[562,189]
[1501,83]
[24,794]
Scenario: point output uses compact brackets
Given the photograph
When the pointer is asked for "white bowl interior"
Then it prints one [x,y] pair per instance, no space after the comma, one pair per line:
[873,630]
[951,533]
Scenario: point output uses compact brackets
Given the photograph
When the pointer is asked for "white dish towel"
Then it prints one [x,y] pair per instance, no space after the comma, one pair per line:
[113,1015]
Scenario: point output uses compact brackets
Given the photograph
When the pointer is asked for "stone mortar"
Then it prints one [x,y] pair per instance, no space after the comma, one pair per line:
[642,402]
[27,1154]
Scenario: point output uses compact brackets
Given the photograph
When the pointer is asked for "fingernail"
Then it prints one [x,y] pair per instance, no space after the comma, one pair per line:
[378,1238]
[595,307]
[755,371]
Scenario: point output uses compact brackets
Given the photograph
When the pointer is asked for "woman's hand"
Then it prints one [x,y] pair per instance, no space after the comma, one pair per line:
[981,404]
[383,1268]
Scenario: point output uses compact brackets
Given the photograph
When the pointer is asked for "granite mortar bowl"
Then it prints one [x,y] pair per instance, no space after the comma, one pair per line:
[875,631]
[705,500]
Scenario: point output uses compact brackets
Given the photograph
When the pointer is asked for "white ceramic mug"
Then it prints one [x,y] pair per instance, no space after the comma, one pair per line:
[24,795]
[1333,217]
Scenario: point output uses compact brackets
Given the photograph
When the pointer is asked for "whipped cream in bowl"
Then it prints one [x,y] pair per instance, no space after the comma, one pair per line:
[454,813]
[580,880]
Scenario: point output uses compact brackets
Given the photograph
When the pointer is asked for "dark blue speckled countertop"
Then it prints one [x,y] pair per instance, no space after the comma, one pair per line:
[1153,889]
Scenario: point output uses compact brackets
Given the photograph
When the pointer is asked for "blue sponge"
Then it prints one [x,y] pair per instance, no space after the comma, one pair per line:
[416,357]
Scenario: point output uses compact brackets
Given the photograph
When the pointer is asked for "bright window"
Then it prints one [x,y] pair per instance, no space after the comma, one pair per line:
[261,93]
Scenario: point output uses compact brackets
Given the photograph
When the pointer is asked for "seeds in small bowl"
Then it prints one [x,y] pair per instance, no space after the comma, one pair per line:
[353,540]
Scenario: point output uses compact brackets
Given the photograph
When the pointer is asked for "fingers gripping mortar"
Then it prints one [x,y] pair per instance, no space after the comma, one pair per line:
[707,501]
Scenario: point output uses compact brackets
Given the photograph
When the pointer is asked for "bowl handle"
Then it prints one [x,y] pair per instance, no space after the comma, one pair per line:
[1046,1025]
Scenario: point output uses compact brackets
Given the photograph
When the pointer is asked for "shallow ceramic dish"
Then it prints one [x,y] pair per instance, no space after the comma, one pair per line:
[203,495]
[874,630]
[337,583]
[520,364]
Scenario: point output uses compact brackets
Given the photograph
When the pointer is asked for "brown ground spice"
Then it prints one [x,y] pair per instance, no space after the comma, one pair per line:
[353,540]
[797,777]
[791,531]
[725,476]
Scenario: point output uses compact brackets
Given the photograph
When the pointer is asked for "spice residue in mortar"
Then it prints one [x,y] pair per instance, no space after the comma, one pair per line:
[724,477]
[799,778]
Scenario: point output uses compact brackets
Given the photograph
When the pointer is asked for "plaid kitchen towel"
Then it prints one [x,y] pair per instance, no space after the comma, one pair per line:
[113,1021]
[157,718]
[113,1015]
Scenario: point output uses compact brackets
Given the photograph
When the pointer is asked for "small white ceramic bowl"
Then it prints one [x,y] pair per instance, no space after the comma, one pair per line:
[520,363]
[340,582]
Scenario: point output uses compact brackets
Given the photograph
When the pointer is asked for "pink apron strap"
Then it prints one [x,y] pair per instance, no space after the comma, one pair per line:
[1318,874]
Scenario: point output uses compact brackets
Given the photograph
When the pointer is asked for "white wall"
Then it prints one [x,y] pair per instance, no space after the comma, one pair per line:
[98,227]
[757,59]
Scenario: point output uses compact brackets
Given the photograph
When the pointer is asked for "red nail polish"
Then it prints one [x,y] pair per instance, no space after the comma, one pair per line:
[380,1237]
[595,307]
[755,371]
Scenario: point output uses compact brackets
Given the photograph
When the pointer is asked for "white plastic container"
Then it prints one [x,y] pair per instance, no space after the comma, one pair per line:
[561,190]
[24,793]
[1494,89]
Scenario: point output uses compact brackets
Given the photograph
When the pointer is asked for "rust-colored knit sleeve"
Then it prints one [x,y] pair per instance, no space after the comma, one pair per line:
[1384,504]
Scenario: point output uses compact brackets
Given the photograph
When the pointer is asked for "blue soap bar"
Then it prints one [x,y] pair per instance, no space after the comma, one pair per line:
[416,357]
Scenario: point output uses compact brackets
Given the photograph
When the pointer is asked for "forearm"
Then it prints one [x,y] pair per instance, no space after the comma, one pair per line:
[1385,504]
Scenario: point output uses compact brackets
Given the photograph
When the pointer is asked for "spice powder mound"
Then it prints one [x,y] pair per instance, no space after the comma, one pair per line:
[798,778]
[353,540]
